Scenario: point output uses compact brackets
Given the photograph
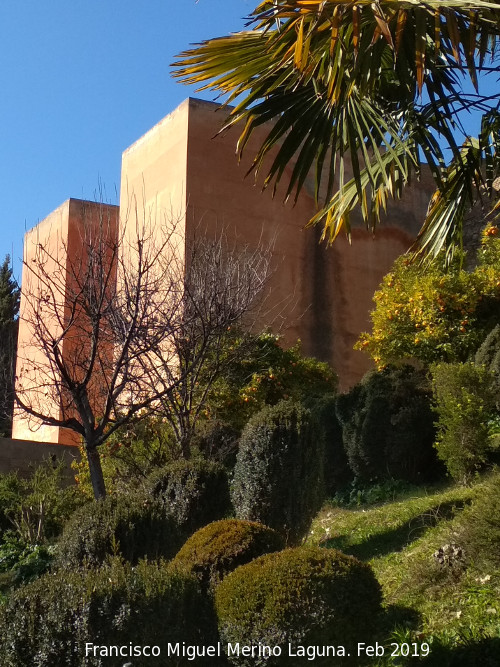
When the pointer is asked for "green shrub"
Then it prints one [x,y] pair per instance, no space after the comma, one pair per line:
[278,477]
[465,397]
[488,353]
[48,622]
[22,560]
[217,441]
[37,507]
[193,492]
[131,526]
[219,548]
[129,456]
[435,311]
[479,528]
[303,596]
[388,426]
[337,471]
[11,494]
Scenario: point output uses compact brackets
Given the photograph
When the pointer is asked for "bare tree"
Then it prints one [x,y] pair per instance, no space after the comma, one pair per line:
[126,326]
[221,286]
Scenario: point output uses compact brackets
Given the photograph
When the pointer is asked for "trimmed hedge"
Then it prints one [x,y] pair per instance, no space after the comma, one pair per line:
[179,498]
[131,526]
[219,548]
[278,477]
[193,492]
[302,596]
[388,426]
[49,622]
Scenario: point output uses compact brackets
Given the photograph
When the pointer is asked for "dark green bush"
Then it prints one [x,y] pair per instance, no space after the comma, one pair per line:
[303,596]
[465,396]
[337,472]
[193,492]
[131,526]
[278,477]
[11,494]
[388,426]
[219,548]
[48,622]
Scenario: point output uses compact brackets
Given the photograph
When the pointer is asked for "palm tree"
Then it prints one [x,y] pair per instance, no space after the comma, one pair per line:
[385,84]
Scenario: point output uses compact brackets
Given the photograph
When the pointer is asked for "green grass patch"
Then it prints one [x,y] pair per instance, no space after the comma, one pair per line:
[436,553]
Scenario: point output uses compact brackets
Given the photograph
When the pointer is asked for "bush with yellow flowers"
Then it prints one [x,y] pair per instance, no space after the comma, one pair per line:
[429,313]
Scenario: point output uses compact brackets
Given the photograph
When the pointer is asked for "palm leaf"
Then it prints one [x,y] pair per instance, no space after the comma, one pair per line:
[356,81]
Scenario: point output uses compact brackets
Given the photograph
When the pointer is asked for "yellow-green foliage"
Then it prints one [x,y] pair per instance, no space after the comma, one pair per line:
[222,546]
[430,314]
[465,403]
[305,596]
[265,374]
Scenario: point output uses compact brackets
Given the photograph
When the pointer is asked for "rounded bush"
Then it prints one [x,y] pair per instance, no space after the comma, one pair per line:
[131,526]
[388,426]
[302,596]
[49,622]
[219,548]
[278,477]
[193,492]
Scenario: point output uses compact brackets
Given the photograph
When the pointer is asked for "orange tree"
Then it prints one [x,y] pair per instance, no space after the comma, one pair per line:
[265,374]
[430,314]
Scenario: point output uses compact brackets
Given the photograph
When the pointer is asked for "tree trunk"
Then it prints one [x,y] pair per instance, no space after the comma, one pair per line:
[96,476]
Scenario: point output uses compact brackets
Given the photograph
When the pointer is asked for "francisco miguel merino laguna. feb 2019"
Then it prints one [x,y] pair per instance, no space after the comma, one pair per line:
[309,652]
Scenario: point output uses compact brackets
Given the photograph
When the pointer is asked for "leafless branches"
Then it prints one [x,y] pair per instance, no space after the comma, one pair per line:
[128,324]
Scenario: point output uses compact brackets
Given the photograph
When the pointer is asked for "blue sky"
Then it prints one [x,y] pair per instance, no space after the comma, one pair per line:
[80,81]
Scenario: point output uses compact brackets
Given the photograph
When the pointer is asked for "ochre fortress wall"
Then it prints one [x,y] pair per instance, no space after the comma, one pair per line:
[181,172]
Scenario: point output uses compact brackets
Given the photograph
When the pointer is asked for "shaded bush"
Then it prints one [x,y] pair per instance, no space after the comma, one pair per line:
[337,471]
[388,426]
[219,548]
[303,596]
[217,441]
[278,477]
[48,622]
[131,526]
[193,492]
[465,396]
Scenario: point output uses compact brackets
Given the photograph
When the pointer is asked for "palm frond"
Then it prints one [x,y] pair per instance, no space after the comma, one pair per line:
[372,84]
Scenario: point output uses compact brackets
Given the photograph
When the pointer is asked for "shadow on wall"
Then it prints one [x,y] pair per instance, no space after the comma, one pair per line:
[23,455]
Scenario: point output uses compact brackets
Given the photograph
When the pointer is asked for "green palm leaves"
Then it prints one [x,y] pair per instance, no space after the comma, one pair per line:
[359,93]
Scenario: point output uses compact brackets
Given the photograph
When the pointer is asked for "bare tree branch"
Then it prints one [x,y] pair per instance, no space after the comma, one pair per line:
[131,325]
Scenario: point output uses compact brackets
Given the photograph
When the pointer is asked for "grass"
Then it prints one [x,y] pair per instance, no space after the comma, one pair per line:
[454,606]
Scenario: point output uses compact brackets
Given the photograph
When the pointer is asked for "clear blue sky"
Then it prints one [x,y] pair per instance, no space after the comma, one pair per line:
[80,80]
